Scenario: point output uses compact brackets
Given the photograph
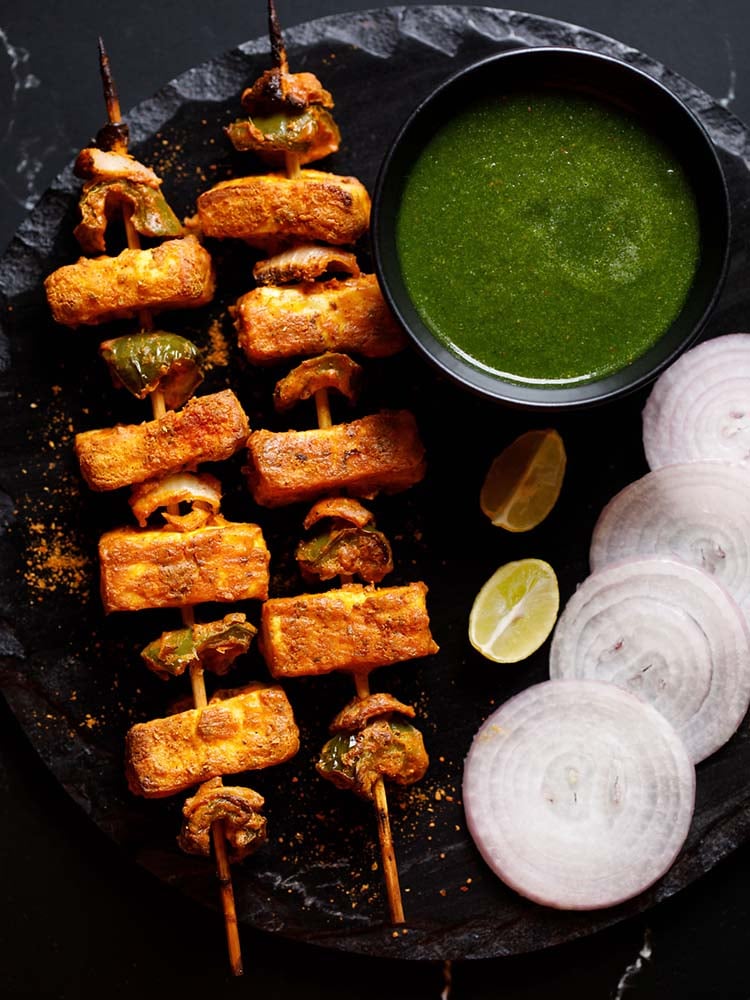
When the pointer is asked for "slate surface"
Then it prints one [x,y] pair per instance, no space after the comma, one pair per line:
[75,715]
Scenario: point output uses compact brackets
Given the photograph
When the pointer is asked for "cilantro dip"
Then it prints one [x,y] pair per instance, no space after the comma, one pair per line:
[547,237]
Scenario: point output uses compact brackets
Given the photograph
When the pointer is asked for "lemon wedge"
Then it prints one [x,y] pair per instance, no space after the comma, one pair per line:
[524,481]
[515,611]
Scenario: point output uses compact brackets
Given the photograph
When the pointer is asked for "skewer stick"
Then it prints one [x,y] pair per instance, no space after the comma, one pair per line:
[281,62]
[112,101]
[322,406]
[278,49]
[197,680]
[385,836]
[387,851]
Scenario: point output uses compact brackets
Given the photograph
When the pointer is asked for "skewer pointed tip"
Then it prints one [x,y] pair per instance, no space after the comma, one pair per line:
[114,135]
[278,51]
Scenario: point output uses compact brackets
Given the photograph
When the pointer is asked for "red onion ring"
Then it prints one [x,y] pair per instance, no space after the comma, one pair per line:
[699,408]
[578,794]
[668,633]
[698,512]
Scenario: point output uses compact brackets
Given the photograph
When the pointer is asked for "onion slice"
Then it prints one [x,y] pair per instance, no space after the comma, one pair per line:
[699,408]
[578,794]
[202,491]
[305,262]
[698,512]
[668,633]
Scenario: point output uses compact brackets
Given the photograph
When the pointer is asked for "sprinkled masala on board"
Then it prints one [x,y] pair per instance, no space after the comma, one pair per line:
[53,559]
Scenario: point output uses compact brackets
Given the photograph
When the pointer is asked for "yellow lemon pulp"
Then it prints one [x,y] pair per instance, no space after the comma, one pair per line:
[515,611]
[524,481]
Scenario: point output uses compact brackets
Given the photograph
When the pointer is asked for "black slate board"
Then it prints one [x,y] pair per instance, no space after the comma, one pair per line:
[74,679]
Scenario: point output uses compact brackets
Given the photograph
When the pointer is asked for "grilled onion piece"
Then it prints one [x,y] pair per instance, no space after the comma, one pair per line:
[328,371]
[202,492]
[360,711]
[305,262]
[342,509]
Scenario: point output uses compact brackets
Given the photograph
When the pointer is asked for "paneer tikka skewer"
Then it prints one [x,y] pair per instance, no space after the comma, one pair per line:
[354,628]
[198,556]
[310,299]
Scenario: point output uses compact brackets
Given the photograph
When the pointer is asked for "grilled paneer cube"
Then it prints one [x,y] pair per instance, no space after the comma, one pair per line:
[177,274]
[381,451]
[208,429]
[222,561]
[353,628]
[243,730]
[307,319]
[273,210]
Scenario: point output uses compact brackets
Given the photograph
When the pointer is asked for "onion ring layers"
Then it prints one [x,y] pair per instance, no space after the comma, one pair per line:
[668,633]
[578,794]
[699,408]
[698,512]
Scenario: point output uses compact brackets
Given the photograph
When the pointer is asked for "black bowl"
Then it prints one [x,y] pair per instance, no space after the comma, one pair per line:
[608,80]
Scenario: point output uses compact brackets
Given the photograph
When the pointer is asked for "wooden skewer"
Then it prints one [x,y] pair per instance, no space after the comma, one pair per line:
[278,49]
[387,850]
[112,100]
[197,680]
[323,408]
[385,836]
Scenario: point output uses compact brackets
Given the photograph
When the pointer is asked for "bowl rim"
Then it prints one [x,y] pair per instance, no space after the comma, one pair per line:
[522,394]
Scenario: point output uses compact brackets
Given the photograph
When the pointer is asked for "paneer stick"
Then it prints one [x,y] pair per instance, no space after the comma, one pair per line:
[379,452]
[270,211]
[208,429]
[246,729]
[222,561]
[177,274]
[275,323]
[352,628]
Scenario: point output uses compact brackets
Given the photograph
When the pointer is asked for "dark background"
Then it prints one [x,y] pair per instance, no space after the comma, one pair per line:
[77,919]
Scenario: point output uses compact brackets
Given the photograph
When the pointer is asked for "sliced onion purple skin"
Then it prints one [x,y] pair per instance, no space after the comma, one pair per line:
[699,408]
[668,633]
[578,794]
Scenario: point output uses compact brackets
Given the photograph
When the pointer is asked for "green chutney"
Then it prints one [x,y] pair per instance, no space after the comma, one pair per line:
[547,237]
